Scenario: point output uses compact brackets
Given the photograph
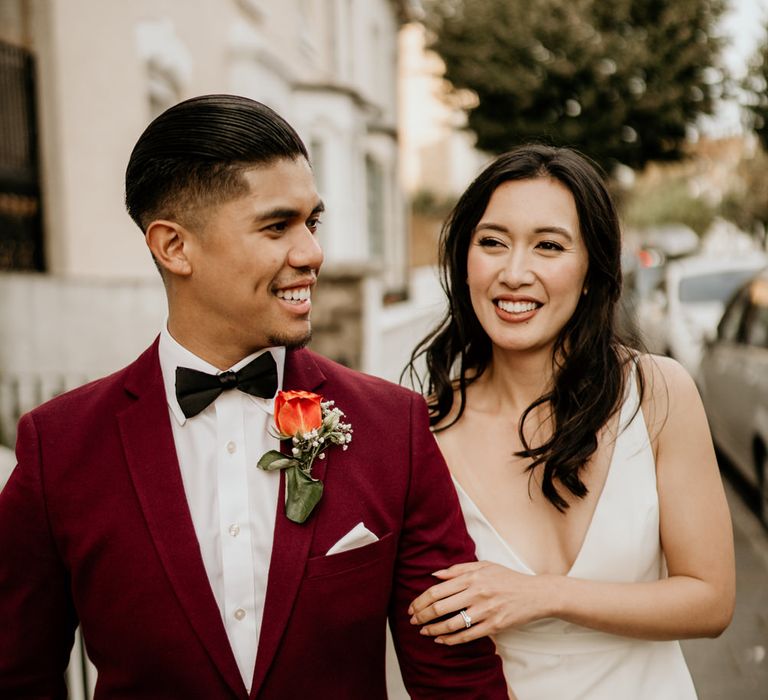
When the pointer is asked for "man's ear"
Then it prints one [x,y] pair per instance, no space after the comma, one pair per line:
[168,240]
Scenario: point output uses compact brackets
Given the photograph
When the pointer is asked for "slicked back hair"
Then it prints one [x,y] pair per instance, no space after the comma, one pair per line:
[194,153]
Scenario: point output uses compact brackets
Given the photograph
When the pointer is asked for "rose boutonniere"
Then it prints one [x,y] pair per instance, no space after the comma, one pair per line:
[312,425]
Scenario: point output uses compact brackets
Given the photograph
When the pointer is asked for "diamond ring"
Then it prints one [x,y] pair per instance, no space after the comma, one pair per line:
[467,619]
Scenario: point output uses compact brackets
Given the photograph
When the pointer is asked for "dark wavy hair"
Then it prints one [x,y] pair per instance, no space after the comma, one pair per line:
[589,357]
[193,155]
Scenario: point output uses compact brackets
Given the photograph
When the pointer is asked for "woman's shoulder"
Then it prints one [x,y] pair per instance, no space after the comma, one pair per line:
[667,388]
[663,375]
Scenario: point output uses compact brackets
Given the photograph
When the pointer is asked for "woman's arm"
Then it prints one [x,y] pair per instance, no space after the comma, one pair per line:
[696,599]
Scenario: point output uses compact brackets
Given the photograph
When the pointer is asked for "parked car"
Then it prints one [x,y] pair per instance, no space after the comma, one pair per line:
[684,309]
[734,385]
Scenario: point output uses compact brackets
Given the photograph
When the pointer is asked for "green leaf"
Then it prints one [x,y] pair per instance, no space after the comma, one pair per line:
[276,460]
[303,493]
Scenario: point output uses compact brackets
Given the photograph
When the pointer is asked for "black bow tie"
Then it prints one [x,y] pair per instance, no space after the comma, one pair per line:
[197,390]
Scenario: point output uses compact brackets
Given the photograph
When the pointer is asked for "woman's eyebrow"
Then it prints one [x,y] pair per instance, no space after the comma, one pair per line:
[491,226]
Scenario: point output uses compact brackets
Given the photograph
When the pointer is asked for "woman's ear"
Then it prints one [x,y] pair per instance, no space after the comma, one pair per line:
[167,241]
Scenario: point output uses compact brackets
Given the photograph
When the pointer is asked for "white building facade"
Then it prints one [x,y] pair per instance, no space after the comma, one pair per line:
[106,67]
[85,298]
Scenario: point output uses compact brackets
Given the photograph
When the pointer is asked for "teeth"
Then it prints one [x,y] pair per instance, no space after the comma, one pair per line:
[516,307]
[296,294]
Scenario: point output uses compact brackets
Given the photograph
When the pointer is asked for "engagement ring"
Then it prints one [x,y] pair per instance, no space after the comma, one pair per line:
[467,619]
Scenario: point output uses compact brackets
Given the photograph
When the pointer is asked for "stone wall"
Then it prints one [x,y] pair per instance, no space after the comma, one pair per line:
[337,315]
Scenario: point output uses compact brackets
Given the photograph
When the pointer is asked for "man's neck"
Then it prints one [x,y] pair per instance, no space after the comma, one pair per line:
[220,353]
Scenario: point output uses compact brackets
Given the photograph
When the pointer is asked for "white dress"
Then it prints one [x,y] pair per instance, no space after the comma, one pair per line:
[551,658]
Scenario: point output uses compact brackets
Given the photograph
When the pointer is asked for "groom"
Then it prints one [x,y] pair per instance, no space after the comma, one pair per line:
[137,508]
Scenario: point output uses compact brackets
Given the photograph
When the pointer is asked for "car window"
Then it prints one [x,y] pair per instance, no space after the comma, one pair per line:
[756,318]
[712,286]
[757,327]
[728,329]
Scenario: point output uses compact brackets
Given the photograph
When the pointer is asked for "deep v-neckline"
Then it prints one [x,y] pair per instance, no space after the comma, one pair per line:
[621,429]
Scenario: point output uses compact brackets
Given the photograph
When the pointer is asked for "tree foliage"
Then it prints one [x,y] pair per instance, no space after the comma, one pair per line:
[622,80]
[756,87]
[746,204]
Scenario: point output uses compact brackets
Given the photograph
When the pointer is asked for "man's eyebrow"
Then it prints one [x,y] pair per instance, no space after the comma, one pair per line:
[286,213]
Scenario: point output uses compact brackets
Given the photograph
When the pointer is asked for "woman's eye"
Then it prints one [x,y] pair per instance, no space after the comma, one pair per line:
[550,245]
[488,242]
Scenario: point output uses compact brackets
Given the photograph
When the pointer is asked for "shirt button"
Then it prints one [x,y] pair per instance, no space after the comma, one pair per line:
[234,530]
[231,447]
[239,614]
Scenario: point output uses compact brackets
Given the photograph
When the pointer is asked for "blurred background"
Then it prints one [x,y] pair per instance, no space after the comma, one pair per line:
[401,103]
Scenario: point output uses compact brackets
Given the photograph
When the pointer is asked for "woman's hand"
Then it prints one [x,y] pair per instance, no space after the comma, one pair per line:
[492,596]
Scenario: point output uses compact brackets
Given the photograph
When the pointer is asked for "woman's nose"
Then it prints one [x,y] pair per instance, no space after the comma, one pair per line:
[518,270]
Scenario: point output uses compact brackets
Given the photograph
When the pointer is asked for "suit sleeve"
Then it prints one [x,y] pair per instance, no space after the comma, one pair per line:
[38,619]
[434,537]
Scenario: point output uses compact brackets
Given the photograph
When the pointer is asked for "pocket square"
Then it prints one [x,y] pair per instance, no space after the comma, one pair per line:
[358,536]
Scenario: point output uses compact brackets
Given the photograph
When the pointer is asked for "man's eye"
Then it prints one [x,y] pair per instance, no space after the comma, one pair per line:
[312,224]
[278,227]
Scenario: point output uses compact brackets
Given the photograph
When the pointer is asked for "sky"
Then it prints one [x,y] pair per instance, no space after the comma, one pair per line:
[742,26]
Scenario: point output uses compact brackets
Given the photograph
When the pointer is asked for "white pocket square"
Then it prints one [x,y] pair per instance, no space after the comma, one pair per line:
[358,536]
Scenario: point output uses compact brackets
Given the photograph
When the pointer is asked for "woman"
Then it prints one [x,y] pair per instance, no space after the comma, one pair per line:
[585,470]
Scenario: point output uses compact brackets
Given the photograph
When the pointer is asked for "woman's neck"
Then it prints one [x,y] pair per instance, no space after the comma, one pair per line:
[513,381]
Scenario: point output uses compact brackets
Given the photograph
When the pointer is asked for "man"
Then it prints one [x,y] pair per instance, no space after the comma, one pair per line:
[137,507]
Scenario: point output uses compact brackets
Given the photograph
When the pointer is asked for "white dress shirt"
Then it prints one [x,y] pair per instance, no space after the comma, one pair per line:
[232,502]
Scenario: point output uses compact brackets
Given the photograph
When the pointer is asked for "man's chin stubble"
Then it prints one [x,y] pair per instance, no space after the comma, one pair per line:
[290,342]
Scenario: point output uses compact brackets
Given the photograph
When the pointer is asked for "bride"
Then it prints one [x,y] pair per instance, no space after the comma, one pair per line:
[585,470]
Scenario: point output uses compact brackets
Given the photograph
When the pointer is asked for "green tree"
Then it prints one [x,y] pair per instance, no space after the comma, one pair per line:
[746,204]
[756,87]
[623,80]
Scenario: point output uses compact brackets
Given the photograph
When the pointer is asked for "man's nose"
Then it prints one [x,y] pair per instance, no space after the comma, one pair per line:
[306,251]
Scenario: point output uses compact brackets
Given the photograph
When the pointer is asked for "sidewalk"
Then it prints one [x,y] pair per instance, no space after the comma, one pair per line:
[735,665]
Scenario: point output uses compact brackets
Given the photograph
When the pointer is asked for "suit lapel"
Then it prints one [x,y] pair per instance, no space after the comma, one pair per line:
[291,543]
[151,455]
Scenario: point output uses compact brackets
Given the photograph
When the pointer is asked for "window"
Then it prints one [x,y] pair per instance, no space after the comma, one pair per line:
[167,61]
[375,201]
[728,329]
[756,318]
[317,156]
[21,236]
[713,286]
[757,326]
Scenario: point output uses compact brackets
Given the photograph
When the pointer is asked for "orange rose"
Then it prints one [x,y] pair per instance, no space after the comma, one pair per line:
[297,412]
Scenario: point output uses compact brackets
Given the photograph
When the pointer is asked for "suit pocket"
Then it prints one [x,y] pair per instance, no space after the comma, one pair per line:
[344,562]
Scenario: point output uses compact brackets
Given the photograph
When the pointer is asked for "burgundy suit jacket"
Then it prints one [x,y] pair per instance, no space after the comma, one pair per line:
[95,530]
